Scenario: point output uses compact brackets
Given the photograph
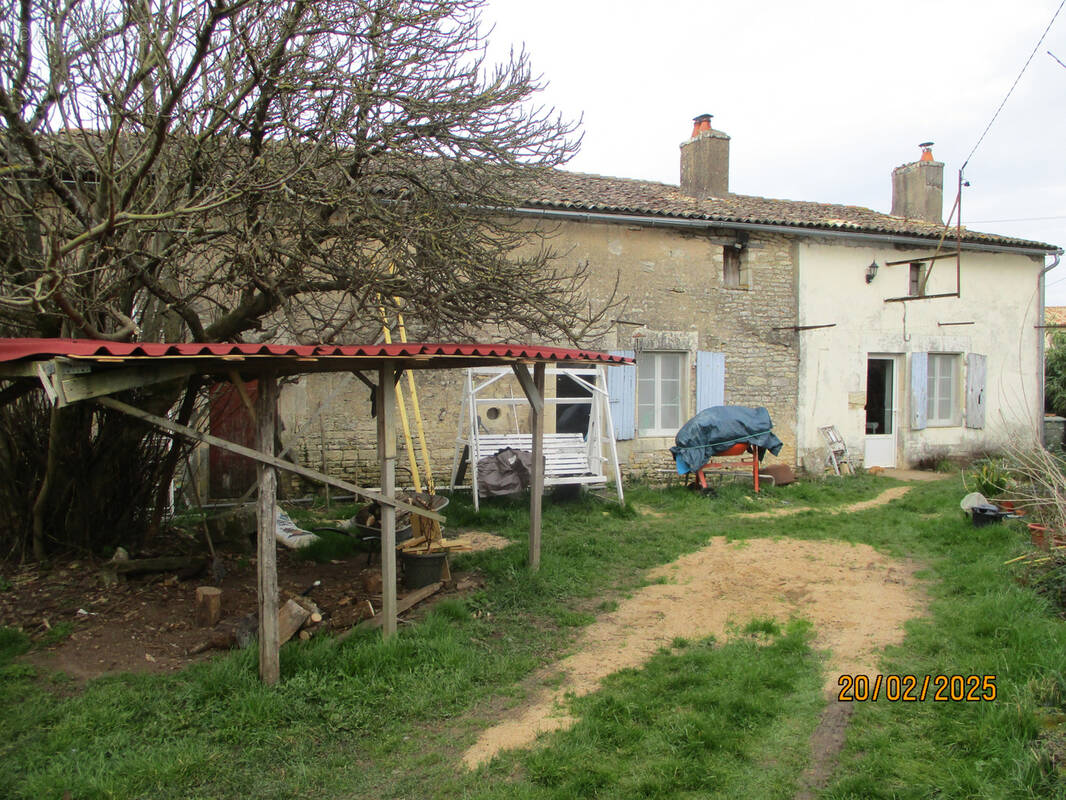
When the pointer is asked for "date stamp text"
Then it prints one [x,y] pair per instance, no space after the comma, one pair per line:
[917,688]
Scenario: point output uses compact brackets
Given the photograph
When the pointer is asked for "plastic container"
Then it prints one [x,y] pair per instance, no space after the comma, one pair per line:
[421,569]
[986,515]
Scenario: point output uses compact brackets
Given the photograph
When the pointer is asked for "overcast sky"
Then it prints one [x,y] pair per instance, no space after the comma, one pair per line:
[822,98]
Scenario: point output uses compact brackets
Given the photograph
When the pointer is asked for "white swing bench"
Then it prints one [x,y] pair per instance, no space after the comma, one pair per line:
[569,458]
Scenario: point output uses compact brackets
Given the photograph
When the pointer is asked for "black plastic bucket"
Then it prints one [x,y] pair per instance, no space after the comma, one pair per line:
[421,569]
[986,515]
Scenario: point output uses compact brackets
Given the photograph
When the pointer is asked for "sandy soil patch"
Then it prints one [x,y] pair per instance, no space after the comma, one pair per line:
[480,540]
[887,496]
[857,598]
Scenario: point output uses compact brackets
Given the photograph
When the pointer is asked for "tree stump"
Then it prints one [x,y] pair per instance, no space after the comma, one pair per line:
[208,606]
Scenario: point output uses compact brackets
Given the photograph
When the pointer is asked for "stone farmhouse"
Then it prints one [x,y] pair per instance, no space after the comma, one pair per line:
[825,314]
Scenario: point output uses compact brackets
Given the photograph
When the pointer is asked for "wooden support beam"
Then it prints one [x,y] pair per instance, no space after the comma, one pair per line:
[242,390]
[407,602]
[536,482]
[385,393]
[365,380]
[85,385]
[267,515]
[263,457]
[316,415]
[534,395]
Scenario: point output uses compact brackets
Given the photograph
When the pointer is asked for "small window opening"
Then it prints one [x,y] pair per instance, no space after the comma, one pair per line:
[917,279]
[731,267]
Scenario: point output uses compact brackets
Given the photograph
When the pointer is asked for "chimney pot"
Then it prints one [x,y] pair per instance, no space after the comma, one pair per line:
[700,124]
[927,151]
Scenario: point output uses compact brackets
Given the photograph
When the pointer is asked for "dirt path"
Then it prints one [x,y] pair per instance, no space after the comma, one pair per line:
[857,598]
[887,496]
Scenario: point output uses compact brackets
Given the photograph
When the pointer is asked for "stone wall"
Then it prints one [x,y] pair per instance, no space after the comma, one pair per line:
[674,281]
[677,302]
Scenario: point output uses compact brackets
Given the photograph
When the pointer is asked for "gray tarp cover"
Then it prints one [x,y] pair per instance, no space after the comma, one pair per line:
[714,430]
[506,472]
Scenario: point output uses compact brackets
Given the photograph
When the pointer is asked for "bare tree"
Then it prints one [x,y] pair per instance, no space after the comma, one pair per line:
[212,171]
[199,170]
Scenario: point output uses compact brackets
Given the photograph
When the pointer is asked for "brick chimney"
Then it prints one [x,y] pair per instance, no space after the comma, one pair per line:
[918,188]
[705,161]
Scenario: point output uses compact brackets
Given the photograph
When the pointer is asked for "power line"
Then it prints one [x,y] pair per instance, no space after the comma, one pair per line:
[1016,80]
[1016,219]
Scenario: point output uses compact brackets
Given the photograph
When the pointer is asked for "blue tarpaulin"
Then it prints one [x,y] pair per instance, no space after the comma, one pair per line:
[714,430]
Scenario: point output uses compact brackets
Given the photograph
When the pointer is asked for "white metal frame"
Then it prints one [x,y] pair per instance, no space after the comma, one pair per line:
[600,433]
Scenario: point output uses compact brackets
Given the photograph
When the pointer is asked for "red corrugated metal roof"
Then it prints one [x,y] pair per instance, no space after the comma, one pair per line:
[28,349]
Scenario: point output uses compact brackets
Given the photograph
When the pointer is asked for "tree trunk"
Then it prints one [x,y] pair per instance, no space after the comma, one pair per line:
[170,463]
[39,551]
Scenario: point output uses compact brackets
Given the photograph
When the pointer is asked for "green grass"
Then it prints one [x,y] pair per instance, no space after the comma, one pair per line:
[669,731]
[373,718]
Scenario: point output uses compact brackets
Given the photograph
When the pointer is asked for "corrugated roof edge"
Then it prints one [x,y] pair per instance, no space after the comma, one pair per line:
[28,349]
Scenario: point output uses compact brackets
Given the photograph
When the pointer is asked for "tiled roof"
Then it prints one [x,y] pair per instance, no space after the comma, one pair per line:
[1055,315]
[575,191]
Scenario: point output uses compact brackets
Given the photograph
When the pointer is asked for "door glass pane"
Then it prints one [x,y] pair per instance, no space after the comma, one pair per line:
[879,394]
[890,395]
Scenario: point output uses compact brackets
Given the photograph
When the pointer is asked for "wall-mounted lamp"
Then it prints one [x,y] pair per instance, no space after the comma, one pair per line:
[871,271]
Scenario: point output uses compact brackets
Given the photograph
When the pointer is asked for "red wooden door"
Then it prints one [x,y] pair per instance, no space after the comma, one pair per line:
[231,474]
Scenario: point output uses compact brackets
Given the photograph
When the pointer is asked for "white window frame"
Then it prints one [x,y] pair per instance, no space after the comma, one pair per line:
[936,382]
[642,364]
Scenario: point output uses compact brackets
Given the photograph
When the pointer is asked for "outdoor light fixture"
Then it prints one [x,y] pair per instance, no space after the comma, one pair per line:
[871,271]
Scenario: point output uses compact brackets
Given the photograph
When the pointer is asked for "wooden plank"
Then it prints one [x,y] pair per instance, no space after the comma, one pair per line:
[95,384]
[242,390]
[158,564]
[386,406]
[407,602]
[266,515]
[536,480]
[264,458]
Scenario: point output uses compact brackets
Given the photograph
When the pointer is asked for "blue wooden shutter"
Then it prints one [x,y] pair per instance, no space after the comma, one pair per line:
[919,389]
[710,379]
[976,370]
[622,393]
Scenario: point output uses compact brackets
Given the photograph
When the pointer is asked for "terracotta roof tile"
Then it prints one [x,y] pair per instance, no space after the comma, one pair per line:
[597,193]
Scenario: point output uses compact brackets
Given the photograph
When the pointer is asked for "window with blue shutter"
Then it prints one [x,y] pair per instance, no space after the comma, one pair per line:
[976,370]
[710,379]
[622,393]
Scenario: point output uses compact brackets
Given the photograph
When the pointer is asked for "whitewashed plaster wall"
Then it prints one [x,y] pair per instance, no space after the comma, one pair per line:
[999,296]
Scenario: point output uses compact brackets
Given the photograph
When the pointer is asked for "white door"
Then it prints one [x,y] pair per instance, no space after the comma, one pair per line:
[881,412]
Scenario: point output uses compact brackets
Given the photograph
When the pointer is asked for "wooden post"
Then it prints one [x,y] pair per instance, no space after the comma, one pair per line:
[386,405]
[266,513]
[208,606]
[266,458]
[536,485]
